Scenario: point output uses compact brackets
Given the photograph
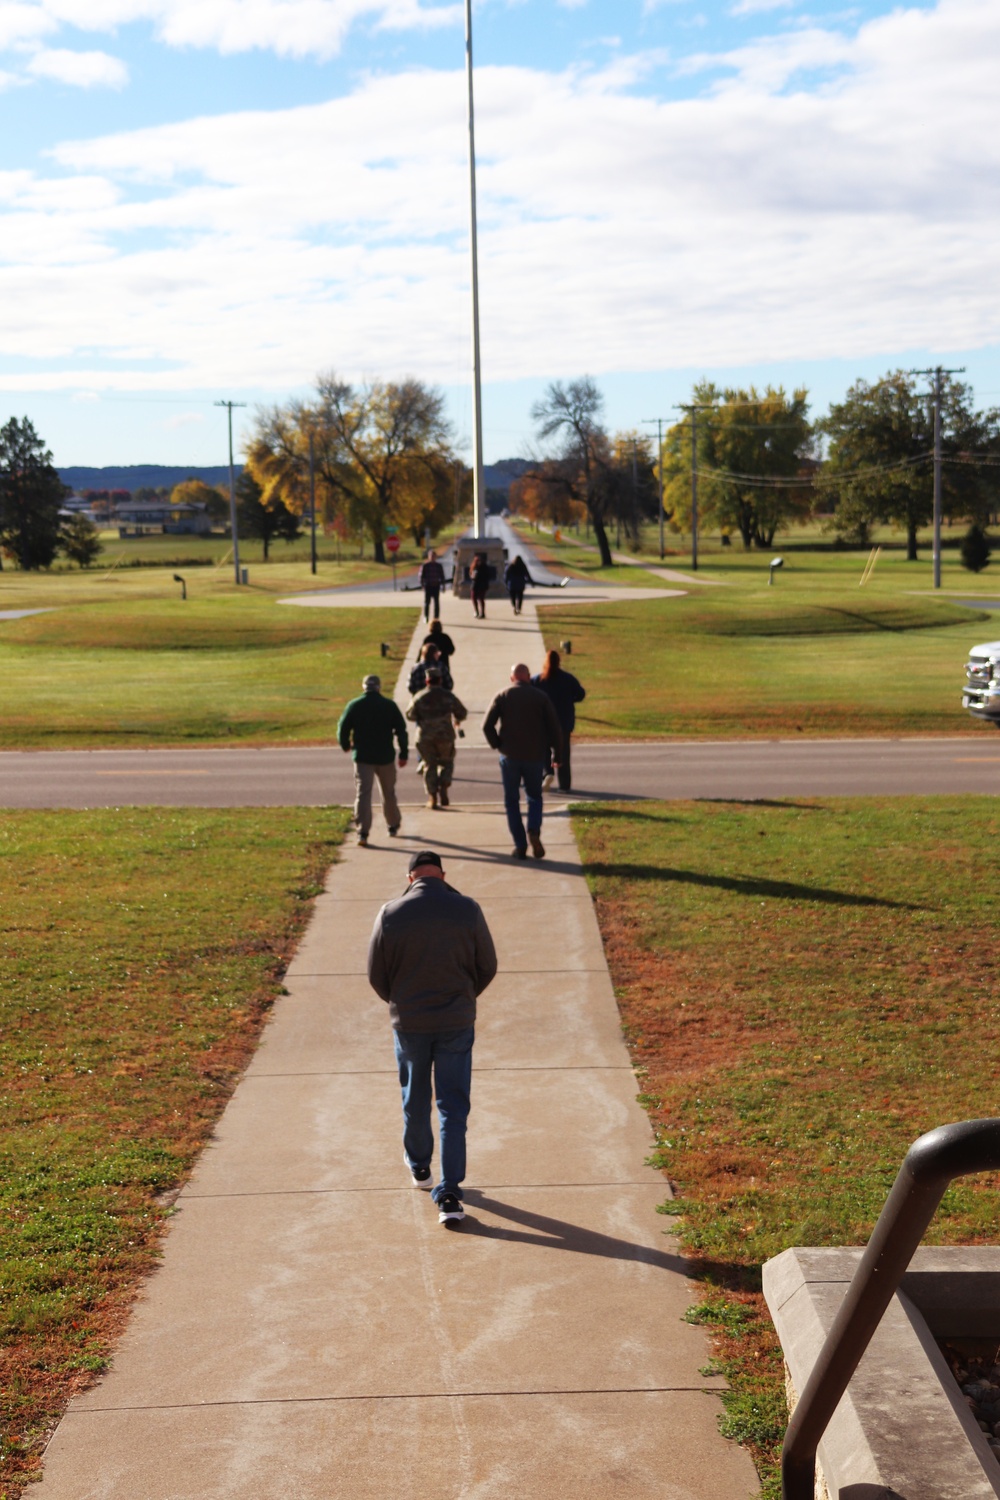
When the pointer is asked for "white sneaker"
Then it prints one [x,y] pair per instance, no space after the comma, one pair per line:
[547,780]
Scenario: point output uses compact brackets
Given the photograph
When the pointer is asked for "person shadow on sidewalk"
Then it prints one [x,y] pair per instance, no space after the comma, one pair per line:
[556,1234]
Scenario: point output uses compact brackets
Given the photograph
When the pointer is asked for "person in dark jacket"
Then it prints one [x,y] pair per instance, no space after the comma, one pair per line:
[516,577]
[443,643]
[565,692]
[432,581]
[369,724]
[479,584]
[430,957]
[521,723]
[429,657]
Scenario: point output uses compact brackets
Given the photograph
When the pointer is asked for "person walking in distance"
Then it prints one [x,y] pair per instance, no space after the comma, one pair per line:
[565,692]
[369,725]
[432,581]
[430,958]
[436,712]
[479,583]
[430,656]
[516,577]
[522,724]
[442,643]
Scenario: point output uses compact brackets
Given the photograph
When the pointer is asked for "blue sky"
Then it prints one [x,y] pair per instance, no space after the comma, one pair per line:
[207,198]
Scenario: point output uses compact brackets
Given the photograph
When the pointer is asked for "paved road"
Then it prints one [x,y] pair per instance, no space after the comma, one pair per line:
[516,546]
[314,775]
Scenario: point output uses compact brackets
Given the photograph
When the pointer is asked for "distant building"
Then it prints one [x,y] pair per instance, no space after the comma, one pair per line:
[77,505]
[149,517]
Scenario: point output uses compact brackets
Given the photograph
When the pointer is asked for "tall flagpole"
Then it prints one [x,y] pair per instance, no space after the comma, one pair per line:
[478,484]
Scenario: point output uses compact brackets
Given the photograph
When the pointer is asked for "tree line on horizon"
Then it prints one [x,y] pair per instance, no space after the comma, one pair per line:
[379,455]
[759,463]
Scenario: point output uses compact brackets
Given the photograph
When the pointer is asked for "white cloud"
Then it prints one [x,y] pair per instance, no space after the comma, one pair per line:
[291,28]
[756,7]
[83,70]
[184,419]
[21,23]
[762,221]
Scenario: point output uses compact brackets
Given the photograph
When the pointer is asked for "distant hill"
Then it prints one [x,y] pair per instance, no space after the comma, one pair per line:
[138,476]
[501,475]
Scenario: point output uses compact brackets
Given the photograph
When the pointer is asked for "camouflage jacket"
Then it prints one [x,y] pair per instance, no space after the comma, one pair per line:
[433,711]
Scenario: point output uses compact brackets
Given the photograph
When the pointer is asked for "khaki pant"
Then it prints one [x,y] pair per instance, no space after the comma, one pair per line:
[364,777]
[437,751]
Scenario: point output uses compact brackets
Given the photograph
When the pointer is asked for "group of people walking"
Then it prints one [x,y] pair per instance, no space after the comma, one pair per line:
[436,713]
[431,954]
[432,579]
[529,724]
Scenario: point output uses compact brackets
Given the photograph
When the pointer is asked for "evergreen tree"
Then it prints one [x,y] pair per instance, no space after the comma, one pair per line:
[975,549]
[31,494]
[79,540]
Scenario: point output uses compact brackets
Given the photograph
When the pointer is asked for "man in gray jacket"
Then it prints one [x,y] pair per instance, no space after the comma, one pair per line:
[522,724]
[430,956]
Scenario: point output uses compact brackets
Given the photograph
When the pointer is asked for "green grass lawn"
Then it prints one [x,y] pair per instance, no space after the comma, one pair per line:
[814,654]
[140,953]
[806,988]
[344,563]
[142,668]
[115,577]
[810,536]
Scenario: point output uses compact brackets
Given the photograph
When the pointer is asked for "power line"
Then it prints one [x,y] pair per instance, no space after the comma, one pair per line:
[800,481]
[646,422]
[939,373]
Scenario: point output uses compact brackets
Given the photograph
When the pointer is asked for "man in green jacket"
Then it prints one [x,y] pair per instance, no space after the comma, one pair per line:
[369,724]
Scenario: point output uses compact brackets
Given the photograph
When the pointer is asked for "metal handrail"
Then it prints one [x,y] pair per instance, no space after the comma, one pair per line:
[931,1165]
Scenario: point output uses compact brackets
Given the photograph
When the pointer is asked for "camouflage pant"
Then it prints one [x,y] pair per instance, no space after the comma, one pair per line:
[437,751]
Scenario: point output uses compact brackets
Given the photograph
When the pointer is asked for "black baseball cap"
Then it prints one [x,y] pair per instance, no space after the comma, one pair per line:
[424,857]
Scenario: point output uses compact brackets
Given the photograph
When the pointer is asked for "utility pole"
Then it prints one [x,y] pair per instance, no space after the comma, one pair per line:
[694,489]
[478,481]
[647,421]
[312,500]
[635,493]
[232,487]
[694,409]
[938,373]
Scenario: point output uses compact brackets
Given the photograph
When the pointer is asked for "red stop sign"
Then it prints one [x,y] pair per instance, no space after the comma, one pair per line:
[392,542]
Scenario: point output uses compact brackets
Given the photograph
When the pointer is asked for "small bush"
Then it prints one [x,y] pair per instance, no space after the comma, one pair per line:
[975,549]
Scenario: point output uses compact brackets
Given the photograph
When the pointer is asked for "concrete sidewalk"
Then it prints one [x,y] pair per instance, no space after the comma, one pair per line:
[313,1331]
[485,651]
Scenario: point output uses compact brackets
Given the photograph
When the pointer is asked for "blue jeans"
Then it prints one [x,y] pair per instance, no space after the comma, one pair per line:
[513,773]
[450,1055]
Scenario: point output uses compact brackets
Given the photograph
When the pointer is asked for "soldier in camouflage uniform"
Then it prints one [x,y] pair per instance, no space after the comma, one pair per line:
[436,711]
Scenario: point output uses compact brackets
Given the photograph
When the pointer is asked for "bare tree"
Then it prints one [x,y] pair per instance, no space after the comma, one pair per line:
[572,412]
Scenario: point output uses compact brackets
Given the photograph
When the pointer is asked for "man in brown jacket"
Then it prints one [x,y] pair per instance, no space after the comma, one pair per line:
[522,724]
